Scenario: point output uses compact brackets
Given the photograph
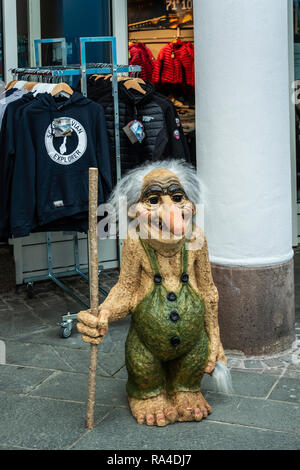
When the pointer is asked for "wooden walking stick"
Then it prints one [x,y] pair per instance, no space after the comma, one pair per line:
[94,290]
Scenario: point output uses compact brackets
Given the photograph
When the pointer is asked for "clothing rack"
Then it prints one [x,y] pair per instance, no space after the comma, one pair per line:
[179,35]
[59,73]
[154,40]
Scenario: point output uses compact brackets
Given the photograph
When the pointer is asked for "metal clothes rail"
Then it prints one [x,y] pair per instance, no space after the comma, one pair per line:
[58,73]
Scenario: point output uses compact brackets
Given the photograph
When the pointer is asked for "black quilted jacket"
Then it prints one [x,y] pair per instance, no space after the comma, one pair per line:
[164,134]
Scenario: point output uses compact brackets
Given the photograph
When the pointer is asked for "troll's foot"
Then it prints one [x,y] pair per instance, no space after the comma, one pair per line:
[157,411]
[191,406]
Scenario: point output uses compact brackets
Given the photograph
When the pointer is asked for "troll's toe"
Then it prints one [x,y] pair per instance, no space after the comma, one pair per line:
[156,411]
[191,406]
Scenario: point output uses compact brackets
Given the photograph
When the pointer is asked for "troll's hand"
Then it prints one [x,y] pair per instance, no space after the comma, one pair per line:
[93,329]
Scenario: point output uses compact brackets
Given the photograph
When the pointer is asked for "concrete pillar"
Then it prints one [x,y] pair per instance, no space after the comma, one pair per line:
[243,152]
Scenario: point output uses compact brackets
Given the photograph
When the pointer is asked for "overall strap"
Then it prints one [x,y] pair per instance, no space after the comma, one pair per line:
[151,256]
[185,258]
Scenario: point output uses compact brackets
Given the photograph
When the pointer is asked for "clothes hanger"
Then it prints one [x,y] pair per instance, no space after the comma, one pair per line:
[137,79]
[95,76]
[121,78]
[29,86]
[177,41]
[10,85]
[140,80]
[42,88]
[62,88]
[20,84]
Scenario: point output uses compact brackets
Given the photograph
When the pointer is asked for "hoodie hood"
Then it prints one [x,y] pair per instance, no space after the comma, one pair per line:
[49,102]
[101,88]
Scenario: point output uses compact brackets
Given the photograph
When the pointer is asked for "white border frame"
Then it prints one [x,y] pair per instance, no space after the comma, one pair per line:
[10,37]
[295,205]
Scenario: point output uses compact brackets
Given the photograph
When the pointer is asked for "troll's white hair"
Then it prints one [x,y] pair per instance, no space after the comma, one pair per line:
[131,184]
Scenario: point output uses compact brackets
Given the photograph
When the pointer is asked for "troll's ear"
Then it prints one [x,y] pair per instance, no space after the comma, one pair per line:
[190,204]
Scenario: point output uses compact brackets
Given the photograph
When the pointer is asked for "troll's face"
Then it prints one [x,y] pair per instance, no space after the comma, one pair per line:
[164,211]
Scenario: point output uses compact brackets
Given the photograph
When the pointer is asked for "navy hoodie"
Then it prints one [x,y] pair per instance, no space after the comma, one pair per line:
[8,139]
[50,177]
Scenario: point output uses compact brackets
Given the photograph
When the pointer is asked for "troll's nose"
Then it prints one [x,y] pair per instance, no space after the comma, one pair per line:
[171,217]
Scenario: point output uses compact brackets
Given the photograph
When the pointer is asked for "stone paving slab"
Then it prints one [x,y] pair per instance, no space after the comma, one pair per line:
[56,358]
[119,431]
[52,315]
[17,379]
[50,336]
[4,447]
[74,387]
[244,383]
[292,373]
[278,372]
[17,324]
[79,360]
[114,341]
[287,390]
[266,414]
[39,423]
[122,374]
[35,355]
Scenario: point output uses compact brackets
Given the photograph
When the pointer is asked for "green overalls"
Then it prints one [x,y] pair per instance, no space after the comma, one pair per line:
[167,346]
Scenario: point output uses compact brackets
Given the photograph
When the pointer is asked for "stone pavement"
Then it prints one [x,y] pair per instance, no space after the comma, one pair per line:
[43,387]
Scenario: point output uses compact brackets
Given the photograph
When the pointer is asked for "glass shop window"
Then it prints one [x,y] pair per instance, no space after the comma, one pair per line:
[71,19]
[23,33]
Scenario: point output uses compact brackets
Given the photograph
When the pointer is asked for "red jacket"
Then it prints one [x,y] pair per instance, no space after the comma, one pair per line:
[139,54]
[174,65]
[191,51]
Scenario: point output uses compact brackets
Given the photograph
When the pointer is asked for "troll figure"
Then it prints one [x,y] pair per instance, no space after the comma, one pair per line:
[166,285]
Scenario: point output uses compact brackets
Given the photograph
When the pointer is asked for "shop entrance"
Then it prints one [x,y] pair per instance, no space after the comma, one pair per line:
[165,29]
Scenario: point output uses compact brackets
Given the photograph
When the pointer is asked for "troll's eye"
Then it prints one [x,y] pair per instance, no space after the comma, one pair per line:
[153,200]
[177,198]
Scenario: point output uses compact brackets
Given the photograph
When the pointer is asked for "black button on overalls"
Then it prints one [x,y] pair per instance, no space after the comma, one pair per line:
[185,278]
[175,341]
[174,316]
[157,279]
[172,297]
